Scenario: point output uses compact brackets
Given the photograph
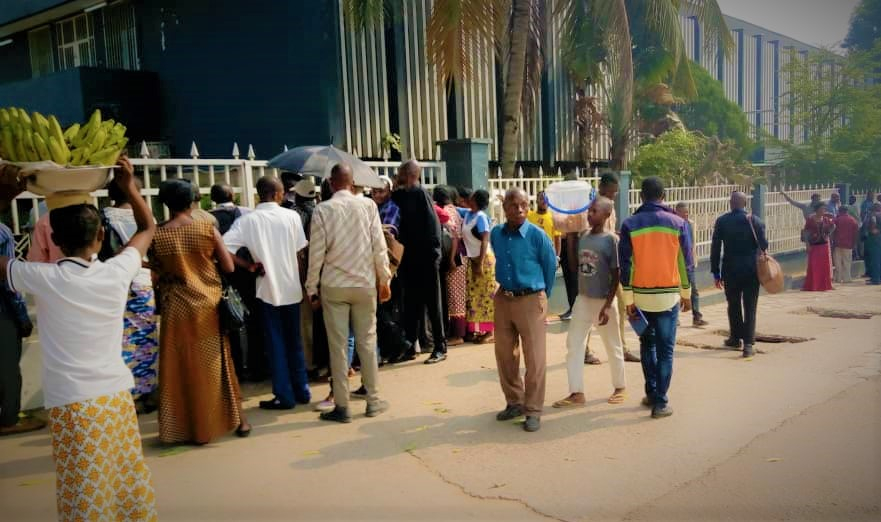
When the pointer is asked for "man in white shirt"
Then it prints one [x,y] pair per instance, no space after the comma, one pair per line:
[86,383]
[348,267]
[274,236]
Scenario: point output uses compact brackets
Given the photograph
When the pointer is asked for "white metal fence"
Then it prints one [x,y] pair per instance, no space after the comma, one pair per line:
[705,205]
[532,186]
[784,221]
[240,174]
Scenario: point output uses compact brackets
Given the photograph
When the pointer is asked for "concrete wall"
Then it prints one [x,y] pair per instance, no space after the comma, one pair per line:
[265,75]
[71,95]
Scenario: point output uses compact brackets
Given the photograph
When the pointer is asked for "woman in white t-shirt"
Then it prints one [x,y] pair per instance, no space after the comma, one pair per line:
[100,468]
[481,271]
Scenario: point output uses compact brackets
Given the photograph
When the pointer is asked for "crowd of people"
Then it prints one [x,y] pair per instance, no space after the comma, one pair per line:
[835,234]
[336,281]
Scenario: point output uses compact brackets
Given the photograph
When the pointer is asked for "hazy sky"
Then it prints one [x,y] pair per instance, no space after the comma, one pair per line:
[815,22]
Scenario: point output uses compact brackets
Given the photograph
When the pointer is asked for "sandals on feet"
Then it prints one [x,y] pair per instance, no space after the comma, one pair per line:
[591,359]
[568,402]
[617,397]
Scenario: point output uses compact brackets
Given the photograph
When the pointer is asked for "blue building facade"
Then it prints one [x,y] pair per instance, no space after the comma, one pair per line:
[276,73]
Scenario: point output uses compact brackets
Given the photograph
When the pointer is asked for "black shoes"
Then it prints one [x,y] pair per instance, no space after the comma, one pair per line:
[566,316]
[659,412]
[360,393]
[732,342]
[337,414]
[436,357]
[748,351]
[409,355]
[377,408]
[510,413]
[532,424]
[275,404]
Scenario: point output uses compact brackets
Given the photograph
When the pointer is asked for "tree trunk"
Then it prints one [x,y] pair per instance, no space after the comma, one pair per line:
[624,94]
[514,86]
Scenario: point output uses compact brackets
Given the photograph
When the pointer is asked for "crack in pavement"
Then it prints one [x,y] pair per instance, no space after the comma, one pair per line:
[465,491]
[743,449]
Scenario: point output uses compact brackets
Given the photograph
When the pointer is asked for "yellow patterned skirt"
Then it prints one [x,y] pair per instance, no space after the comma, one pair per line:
[100,473]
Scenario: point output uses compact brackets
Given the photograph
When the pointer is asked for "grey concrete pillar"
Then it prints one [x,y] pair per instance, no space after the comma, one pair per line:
[844,191]
[467,162]
[760,196]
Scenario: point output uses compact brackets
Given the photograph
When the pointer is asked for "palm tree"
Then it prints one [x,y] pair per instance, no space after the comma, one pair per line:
[464,33]
[631,48]
[597,49]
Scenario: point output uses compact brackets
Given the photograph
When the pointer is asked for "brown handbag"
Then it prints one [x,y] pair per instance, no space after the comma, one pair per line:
[395,250]
[768,269]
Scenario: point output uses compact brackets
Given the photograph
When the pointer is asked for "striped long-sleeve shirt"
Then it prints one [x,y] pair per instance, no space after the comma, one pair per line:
[10,299]
[347,246]
[656,258]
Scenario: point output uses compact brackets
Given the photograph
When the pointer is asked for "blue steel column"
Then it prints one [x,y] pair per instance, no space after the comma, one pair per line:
[759,68]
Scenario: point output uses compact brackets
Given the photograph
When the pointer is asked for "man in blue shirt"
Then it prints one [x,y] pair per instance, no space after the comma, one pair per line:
[526,267]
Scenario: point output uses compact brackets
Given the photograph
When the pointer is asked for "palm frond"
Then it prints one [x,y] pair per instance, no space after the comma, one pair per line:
[582,41]
[363,14]
[662,16]
[459,36]
[713,26]
[534,61]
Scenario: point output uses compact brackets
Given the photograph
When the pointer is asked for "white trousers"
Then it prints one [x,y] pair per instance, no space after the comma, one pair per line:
[585,314]
[842,258]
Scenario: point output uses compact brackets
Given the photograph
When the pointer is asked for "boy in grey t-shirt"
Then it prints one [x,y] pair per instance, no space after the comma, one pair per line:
[598,272]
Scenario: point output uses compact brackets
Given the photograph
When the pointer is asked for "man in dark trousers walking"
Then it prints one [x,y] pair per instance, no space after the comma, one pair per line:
[420,234]
[737,240]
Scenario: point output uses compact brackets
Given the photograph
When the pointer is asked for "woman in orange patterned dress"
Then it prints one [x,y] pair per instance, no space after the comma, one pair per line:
[199,396]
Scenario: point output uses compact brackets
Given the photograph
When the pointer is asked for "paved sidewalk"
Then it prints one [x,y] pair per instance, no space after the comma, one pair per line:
[793,434]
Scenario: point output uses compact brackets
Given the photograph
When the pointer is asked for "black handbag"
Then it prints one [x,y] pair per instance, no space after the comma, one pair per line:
[232,309]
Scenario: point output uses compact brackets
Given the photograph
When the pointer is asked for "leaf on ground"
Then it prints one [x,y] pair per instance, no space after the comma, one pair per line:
[433,403]
[774,459]
[456,450]
[521,420]
[423,428]
[311,453]
[611,458]
[411,447]
[567,459]
[177,450]
[466,432]
[441,410]
[37,482]
[499,485]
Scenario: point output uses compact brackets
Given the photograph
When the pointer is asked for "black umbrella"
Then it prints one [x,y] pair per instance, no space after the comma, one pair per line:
[318,160]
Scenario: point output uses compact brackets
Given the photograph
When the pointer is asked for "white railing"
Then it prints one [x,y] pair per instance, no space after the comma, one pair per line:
[240,174]
[784,222]
[532,186]
[705,205]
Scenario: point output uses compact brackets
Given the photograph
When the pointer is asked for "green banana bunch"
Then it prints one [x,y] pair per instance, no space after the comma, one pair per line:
[34,137]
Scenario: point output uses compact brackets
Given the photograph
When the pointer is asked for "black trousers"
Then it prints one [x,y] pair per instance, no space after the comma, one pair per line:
[569,277]
[10,371]
[743,299]
[422,293]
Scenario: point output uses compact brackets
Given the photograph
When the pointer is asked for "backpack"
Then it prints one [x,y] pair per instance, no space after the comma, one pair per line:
[226,217]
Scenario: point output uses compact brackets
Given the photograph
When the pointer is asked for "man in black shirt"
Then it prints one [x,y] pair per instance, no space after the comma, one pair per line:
[738,275]
[420,234]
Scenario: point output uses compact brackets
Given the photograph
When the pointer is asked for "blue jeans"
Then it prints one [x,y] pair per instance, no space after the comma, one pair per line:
[285,349]
[873,259]
[695,300]
[656,350]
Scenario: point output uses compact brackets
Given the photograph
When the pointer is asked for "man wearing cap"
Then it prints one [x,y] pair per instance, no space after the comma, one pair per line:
[303,195]
[389,213]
